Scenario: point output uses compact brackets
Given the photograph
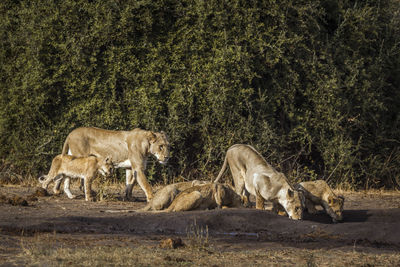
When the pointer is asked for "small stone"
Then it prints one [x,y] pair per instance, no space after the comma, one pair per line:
[171,243]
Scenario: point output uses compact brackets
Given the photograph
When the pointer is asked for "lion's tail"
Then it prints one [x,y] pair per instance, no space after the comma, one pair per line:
[221,172]
[146,208]
[65,147]
[44,181]
[151,210]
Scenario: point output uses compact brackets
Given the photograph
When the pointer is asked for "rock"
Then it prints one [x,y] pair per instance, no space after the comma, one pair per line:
[40,192]
[18,201]
[171,243]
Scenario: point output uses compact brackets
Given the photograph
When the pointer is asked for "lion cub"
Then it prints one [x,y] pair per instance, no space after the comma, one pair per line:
[85,168]
[207,196]
[319,193]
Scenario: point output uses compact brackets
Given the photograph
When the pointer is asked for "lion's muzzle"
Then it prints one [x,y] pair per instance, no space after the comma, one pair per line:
[163,162]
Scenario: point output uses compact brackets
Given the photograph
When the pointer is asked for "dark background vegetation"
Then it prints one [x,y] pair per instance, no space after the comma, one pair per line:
[313,85]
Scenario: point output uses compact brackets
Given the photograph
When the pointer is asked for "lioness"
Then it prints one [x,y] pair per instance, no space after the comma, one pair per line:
[319,193]
[85,168]
[252,174]
[207,196]
[163,197]
[128,149]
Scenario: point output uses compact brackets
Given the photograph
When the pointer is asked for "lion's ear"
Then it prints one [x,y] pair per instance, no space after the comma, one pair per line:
[151,136]
[163,136]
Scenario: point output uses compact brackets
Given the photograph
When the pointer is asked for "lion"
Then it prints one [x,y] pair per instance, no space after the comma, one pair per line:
[85,168]
[253,175]
[319,193]
[128,149]
[163,197]
[206,196]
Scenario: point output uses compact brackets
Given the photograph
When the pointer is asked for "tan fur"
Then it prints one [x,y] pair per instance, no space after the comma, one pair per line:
[253,175]
[85,168]
[319,193]
[207,196]
[163,197]
[128,149]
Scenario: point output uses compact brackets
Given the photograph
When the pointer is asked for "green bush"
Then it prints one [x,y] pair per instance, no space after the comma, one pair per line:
[313,85]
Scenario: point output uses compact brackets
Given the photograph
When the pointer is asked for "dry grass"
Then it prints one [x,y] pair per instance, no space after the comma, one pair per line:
[197,236]
[53,250]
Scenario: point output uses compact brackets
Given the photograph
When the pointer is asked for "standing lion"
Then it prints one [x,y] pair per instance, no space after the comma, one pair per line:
[253,175]
[128,149]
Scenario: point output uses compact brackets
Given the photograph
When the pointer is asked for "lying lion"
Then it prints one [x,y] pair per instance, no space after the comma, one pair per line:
[163,197]
[319,193]
[207,196]
[85,168]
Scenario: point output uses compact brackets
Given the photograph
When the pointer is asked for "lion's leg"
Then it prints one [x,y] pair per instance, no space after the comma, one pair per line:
[310,206]
[188,201]
[88,188]
[238,179]
[259,201]
[57,185]
[246,198]
[55,167]
[278,209]
[219,195]
[130,182]
[66,187]
[239,188]
[242,185]
[328,209]
[82,185]
[142,181]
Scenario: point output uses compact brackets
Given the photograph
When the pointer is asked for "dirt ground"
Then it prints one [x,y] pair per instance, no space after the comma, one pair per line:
[371,225]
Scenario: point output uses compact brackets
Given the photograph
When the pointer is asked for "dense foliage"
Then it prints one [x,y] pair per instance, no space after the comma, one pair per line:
[313,85]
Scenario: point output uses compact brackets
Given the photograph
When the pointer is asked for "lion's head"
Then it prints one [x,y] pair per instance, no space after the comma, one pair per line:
[105,166]
[336,208]
[159,146]
[293,205]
